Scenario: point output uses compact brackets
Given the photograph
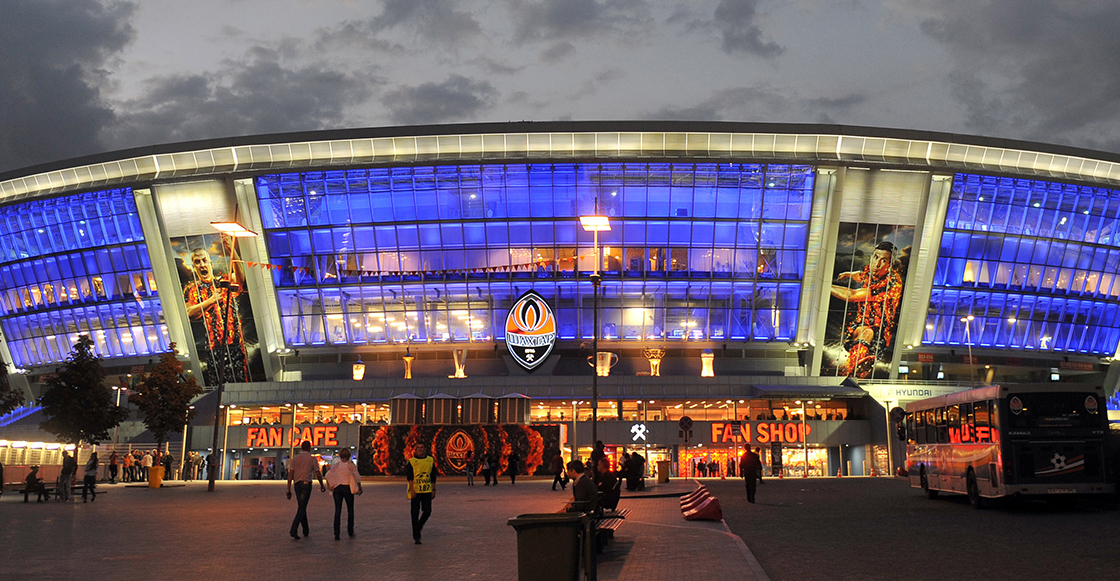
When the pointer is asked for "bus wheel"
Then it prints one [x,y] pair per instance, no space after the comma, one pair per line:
[974,497]
[930,494]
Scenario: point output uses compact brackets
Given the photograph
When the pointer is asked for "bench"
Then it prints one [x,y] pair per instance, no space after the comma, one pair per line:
[619,513]
[51,491]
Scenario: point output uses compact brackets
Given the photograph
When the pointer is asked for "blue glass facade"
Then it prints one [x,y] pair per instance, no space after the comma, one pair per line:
[77,265]
[1035,264]
[439,253]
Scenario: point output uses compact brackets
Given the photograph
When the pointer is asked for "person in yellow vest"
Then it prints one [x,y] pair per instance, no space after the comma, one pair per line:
[421,474]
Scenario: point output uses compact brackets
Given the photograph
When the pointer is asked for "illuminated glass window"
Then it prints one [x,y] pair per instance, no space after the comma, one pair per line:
[712,252]
[1034,264]
[77,265]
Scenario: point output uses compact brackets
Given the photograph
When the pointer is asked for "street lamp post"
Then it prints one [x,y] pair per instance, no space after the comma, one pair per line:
[968,338]
[595,223]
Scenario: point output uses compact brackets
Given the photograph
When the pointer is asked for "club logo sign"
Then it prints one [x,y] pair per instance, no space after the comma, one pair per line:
[530,330]
[1091,404]
[458,445]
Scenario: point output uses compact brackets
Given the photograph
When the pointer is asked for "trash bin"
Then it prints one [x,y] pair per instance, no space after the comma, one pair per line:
[663,469]
[155,476]
[548,545]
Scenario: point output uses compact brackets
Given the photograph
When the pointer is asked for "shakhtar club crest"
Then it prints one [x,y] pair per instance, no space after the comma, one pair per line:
[530,330]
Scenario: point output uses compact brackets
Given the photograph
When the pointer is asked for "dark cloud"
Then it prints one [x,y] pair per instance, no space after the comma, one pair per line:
[52,57]
[456,99]
[497,67]
[261,95]
[1046,70]
[355,37]
[762,103]
[435,20]
[739,33]
[566,19]
[558,52]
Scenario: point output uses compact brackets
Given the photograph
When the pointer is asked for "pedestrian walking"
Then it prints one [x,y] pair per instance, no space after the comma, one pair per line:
[69,468]
[486,464]
[421,475]
[557,469]
[89,480]
[344,482]
[751,467]
[113,467]
[513,467]
[470,468]
[304,468]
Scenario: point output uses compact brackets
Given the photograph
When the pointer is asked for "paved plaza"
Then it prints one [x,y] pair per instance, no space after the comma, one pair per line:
[241,532]
[817,528]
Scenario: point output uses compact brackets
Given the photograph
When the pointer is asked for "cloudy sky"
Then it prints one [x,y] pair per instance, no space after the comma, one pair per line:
[85,76]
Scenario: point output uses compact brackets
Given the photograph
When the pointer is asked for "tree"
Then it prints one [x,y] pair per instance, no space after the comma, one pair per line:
[10,399]
[78,405]
[164,397]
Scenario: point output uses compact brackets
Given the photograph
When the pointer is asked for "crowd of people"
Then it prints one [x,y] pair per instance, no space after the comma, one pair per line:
[136,466]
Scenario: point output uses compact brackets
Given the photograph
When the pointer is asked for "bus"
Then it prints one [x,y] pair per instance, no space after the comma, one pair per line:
[1029,440]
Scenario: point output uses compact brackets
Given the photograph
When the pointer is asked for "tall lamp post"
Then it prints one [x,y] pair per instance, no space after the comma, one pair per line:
[968,338]
[595,223]
[234,230]
[118,389]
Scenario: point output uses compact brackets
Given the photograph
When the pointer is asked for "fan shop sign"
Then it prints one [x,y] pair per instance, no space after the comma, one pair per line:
[277,437]
[760,432]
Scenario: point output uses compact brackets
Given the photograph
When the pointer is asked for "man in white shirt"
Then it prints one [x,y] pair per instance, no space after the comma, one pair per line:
[304,467]
[145,465]
[344,482]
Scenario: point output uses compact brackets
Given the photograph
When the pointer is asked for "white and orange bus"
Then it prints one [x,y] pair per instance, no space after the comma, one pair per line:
[1030,440]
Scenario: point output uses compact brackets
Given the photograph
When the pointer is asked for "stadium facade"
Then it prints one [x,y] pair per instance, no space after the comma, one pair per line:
[796,280]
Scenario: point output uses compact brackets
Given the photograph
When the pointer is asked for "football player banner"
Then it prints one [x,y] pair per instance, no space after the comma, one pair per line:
[385,450]
[868,279]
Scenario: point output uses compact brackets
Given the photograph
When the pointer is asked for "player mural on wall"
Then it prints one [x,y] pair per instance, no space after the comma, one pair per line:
[218,308]
[871,265]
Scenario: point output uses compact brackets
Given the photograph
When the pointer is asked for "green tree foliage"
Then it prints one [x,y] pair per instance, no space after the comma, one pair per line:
[10,399]
[164,397]
[78,405]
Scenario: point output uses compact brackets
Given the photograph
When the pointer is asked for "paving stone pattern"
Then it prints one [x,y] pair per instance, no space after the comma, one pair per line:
[241,532]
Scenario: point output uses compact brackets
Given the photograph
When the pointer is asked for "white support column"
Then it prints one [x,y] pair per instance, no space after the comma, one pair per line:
[912,312]
[823,281]
[262,293]
[167,283]
[919,281]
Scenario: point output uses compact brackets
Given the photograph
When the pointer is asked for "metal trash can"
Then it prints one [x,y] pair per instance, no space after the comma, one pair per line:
[548,545]
[663,469]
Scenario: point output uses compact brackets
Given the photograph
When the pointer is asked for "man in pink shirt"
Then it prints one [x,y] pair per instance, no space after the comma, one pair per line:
[303,468]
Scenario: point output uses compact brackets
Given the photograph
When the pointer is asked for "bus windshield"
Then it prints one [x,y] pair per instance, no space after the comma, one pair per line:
[1053,410]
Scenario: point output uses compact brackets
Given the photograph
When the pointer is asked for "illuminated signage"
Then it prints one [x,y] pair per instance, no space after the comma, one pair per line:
[274,437]
[639,431]
[530,330]
[760,432]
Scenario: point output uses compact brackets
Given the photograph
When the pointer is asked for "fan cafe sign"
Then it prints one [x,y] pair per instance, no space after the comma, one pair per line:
[530,330]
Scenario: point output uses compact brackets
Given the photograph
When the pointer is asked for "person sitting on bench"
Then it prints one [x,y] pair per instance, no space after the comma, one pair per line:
[585,497]
[609,486]
[35,484]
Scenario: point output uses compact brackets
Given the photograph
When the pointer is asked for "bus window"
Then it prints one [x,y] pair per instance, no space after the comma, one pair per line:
[954,422]
[931,426]
[942,426]
[968,430]
[920,427]
[983,433]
